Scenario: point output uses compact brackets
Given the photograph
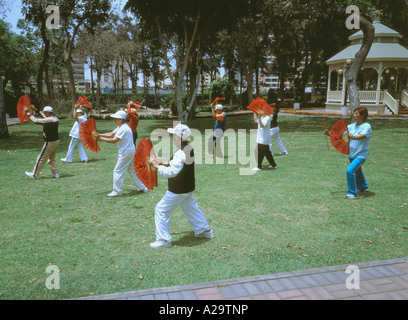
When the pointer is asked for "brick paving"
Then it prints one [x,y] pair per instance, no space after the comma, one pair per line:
[377,280]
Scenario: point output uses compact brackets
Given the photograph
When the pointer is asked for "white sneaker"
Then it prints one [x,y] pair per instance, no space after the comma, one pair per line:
[273,167]
[206,234]
[283,153]
[114,194]
[350,196]
[256,169]
[30,175]
[159,244]
[145,190]
[65,160]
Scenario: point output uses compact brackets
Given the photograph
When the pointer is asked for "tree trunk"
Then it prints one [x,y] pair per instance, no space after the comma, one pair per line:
[70,70]
[358,62]
[4,134]
[98,89]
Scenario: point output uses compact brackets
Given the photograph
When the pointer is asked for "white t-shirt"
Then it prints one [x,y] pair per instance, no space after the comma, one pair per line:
[264,133]
[74,133]
[124,133]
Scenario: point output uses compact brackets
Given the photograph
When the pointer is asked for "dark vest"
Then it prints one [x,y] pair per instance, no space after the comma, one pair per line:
[50,131]
[184,182]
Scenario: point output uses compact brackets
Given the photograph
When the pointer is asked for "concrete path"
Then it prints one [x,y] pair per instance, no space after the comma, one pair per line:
[377,280]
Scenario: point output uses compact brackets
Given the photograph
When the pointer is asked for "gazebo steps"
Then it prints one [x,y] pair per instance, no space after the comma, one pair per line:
[403,110]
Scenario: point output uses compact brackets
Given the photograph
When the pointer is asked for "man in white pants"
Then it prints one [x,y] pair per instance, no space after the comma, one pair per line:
[181,184]
[123,136]
[79,117]
[275,131]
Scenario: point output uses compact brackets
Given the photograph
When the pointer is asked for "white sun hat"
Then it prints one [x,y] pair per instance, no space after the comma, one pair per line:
[119,115]
[48,109]
[182,131]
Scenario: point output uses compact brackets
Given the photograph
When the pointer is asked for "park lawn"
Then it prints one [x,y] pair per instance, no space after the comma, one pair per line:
[294,217]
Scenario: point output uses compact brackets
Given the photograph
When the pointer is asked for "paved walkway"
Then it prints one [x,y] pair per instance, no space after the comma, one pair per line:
[378,280]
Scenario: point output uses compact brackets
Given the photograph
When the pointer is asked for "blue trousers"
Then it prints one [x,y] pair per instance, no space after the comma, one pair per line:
[355,176]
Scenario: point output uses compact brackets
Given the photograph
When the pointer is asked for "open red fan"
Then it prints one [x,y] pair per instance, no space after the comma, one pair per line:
[145,171]
[87,132]
[216,100]
[336,137]
[83,101]
[137,104]
[260,106]
[24,101]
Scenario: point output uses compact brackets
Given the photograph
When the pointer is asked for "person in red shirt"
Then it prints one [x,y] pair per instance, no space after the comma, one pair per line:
[134,120]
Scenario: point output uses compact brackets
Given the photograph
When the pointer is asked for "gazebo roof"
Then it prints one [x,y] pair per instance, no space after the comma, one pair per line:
[388,50]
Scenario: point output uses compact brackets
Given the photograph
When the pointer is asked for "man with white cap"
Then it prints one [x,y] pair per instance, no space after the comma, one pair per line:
[123,136]
[51,142]
[79,117]
[181,184]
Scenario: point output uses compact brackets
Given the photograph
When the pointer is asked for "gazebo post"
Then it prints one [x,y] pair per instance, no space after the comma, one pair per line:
[378,94]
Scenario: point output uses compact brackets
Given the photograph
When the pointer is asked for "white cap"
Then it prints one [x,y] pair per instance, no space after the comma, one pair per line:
[119,115]
[219,107]
[182,131]
[48,109]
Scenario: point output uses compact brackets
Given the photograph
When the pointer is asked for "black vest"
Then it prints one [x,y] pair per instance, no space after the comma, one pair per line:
[184,182]
[50,131]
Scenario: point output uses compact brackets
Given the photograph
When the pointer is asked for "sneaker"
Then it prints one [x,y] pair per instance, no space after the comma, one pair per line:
[273,167]
[30,175]
[350,196]
[145,190]
[65,160]
[206,234]
[114,194]
[283,153]
[158,244]
[364,190]
[256,169]
[56,175]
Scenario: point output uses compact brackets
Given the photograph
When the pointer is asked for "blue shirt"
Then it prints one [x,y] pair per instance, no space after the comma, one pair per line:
[359,148]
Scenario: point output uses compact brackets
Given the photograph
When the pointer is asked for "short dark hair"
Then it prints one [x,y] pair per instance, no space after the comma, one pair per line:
[362,111]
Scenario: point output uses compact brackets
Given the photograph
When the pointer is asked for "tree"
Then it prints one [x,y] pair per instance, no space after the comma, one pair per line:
[180,25]
[74,15]
[352,74]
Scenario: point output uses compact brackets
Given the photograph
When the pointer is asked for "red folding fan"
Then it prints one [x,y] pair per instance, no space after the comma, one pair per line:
[137,104]
[217,99]
[336,137]
[83,101]
[260,106]
[87,131]
[145,171]
[24,101]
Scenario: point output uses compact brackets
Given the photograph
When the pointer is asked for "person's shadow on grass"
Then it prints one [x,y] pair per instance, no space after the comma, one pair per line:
[189,240]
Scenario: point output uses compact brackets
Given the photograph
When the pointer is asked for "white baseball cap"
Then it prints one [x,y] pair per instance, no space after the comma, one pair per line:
[119,115]
[48,109]
[182,131]
[219,107]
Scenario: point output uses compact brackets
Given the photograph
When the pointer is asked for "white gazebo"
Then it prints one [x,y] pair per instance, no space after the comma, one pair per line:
[383,79]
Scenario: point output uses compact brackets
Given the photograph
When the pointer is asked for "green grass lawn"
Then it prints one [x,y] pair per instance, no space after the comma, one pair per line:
[295,217]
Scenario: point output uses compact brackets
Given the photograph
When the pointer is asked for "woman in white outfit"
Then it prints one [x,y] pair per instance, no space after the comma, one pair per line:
[123,136]
[181,184]
[79,117]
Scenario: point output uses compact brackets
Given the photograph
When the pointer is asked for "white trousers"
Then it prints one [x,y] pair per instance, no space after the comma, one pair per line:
[275,136]
[125,164]
[189,206]
[76,143]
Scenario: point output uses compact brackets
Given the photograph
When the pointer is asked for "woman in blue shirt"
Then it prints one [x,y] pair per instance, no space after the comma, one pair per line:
[359,135]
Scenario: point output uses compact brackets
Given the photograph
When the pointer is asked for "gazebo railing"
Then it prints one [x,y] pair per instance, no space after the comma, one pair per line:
[404,98]
[390,102]
[365,96]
